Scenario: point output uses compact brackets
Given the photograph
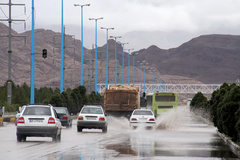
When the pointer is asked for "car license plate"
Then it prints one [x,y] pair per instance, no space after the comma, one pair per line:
[36,121]
[90,118]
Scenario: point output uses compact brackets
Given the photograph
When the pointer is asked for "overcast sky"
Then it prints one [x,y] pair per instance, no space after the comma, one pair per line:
[143,17]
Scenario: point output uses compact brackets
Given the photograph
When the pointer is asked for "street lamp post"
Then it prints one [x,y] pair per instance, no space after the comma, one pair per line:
[123,63]
[62,54]
[150,89]
[151,80]
[129,65]
[115,37]
[96,19]
[107,56]
[76,5]
[141,79]
[134,66]
[32,57]
[144,77]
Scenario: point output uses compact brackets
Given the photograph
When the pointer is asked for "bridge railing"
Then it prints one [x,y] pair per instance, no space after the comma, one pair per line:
[176,88]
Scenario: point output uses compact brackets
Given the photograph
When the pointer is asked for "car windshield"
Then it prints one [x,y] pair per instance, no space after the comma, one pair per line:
[37,111]
[92,111]
[142,113]
[60,110]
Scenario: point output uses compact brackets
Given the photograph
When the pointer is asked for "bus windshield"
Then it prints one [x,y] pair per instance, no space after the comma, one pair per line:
[165,98]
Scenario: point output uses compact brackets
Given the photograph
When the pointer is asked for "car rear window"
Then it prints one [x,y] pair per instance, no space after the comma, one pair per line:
[37,111]
[60,110]
[142,113]
[92,111]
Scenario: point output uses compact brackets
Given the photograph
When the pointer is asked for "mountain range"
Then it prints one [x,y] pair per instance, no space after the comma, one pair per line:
[204,59]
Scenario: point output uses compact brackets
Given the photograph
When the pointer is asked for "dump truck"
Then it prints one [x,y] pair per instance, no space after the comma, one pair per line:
[121,100]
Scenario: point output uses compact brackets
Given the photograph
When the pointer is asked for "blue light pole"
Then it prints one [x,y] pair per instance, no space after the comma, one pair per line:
[107,56]
[150,80]
[62,53]
[144,76]
[134,66]
[115,37]
[76,5]
[32,57]
[141,79]
[96,19]
[123,63]
[129,65]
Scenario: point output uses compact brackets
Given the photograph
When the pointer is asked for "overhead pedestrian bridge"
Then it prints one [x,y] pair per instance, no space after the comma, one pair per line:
[176,88]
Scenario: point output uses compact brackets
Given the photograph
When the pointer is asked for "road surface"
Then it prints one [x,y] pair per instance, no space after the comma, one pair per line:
[179,135]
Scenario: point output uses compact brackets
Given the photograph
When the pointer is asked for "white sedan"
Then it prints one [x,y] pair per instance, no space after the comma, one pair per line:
[38,121]
[142,117]
[92,116]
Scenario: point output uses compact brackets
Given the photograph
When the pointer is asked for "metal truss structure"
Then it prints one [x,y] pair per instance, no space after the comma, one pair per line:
[176,88]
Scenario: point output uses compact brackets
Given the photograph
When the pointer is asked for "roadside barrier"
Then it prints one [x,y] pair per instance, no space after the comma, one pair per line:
[8,119]
[234,147]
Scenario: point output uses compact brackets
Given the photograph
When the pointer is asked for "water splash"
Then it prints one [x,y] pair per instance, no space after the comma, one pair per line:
[173,119]
[117,123]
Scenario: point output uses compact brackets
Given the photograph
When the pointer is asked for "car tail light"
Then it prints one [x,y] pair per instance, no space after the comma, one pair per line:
[134,119]
[101,119]
[51,120]
[65,117]
[152,119]
[80,118]
[21,120]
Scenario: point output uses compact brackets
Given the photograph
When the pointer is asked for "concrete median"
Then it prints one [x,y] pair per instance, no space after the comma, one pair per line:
[10,119]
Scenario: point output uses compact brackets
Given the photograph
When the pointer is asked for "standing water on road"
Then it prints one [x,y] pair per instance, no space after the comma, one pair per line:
[179,135]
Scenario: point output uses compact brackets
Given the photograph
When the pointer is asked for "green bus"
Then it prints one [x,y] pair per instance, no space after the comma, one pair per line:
[161,101]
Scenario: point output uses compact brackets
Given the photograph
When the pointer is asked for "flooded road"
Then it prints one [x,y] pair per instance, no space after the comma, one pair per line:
[179,135]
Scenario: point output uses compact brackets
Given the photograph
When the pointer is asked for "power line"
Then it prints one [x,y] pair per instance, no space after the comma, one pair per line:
[3,12]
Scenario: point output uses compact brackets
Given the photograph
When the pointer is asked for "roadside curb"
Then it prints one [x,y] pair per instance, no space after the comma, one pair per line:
[234,147]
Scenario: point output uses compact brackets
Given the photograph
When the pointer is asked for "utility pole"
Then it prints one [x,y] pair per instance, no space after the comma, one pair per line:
[9,81]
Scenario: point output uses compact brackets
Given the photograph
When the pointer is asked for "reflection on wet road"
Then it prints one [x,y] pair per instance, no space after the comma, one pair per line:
[179,135]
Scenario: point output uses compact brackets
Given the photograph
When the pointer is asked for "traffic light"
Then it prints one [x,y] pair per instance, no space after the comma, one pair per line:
[44,53]
[144,94]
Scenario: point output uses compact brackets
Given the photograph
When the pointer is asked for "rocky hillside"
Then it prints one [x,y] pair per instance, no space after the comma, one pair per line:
[206,59]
